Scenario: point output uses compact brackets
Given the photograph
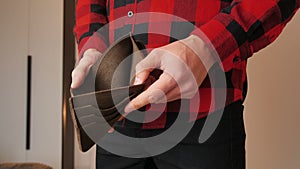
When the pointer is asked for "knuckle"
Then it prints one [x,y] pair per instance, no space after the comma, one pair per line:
[155,51]
[190,93]
[137,104]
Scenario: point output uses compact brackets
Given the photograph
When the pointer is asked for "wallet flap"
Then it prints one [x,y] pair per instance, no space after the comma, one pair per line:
[84,141]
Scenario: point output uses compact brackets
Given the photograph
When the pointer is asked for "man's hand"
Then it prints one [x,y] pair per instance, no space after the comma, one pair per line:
[184,63]
[79,73]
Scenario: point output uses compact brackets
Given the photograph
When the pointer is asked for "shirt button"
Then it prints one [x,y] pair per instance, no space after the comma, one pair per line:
[236,59]
[130,14]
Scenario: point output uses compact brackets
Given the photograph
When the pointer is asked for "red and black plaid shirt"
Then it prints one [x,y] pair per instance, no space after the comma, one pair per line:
[235,28]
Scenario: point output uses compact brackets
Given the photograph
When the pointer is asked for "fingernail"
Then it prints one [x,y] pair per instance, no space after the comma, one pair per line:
[137,81]
[129,108]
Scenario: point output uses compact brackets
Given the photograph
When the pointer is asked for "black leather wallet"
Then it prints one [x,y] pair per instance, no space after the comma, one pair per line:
[105,91]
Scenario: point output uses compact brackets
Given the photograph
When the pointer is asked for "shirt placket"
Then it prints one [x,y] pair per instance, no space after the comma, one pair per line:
[131,14]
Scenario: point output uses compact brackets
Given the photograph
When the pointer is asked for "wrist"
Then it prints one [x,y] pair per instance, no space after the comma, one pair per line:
[199,47]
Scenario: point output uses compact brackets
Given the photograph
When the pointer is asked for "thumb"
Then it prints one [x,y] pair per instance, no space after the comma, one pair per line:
[78,76]
[141,77]
[145,66]
[79,73]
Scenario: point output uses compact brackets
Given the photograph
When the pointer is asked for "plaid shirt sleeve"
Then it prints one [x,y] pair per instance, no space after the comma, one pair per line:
[90,17]
[245,27]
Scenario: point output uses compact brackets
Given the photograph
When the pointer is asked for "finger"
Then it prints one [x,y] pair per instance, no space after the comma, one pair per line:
[78,76]
[111,130]
[145,66]
[121,118]
[90,56]
[172,95]
[80,72]
[161,87]
[152,60]
[180,92]
[141,76]
[156,91]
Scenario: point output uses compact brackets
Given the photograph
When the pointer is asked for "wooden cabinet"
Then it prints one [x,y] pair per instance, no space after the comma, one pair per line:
[35,28]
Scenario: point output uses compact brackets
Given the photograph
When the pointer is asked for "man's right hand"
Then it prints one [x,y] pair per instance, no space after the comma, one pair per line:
[79,73]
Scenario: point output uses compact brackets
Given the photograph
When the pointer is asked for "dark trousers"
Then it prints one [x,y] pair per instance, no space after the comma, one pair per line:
[225,149]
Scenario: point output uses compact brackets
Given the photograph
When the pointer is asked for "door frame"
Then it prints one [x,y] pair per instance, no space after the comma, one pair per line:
[68,64]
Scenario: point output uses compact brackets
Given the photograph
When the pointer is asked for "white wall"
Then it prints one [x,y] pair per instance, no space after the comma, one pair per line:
[31,27]
[272,105]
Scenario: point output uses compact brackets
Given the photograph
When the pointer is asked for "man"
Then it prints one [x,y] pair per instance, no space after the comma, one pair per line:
[226,34]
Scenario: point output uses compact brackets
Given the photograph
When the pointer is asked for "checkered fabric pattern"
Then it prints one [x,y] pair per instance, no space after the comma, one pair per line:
[234,28]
